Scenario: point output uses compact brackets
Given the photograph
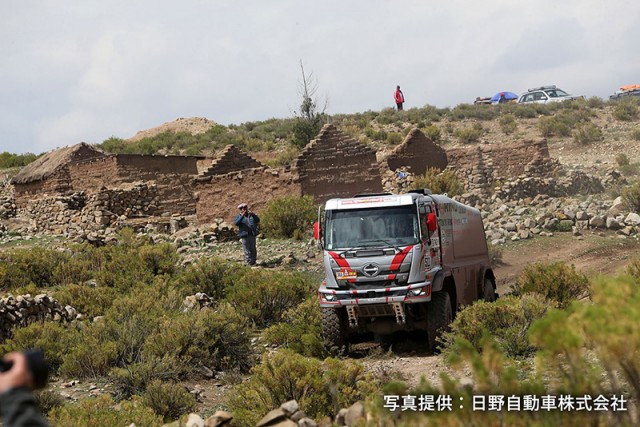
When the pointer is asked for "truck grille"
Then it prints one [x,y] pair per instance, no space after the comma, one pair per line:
[375,310]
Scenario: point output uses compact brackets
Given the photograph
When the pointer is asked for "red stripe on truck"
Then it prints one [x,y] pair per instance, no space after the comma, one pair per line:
[400,256]
[341,261]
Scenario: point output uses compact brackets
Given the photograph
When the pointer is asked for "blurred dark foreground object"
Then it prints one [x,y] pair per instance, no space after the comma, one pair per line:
[37,366]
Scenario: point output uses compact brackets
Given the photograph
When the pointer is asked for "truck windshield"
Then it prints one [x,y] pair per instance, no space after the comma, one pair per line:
[374,227]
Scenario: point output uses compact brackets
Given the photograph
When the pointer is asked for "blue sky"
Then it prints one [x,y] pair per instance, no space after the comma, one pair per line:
[86,70]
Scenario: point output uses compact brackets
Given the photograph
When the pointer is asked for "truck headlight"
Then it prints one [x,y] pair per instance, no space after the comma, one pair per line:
[329,297]
[418,292]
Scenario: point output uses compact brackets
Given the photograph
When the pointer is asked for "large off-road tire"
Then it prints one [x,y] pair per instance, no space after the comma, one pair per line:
[488,291]
[439,318]
[333,333]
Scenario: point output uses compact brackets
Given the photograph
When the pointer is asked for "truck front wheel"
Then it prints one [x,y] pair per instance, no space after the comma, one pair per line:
[488,290]
[439,317]
[333,329]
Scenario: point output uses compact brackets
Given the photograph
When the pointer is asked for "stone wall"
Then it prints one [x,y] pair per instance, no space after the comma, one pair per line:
[57,183]
[22,310]
[336,165]
[576,182]
[218,196]
[79,214]
[482,165]
[418,153]
[7,199]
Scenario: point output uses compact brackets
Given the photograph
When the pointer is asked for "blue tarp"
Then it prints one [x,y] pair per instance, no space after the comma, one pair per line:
[508,95]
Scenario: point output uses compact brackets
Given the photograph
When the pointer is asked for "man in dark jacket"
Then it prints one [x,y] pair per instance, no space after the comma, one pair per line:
[17,402]
[247,223]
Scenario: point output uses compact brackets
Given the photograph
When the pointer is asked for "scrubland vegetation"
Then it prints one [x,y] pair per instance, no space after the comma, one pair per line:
[558,332]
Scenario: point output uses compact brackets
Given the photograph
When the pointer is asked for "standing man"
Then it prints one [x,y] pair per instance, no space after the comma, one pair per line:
[17,402]
[247,223]
[399,97]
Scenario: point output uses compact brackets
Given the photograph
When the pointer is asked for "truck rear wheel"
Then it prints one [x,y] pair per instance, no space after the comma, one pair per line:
[439,317]
[333,329]
[489,293]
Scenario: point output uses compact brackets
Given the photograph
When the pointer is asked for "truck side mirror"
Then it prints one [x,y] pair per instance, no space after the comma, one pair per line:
[432,222]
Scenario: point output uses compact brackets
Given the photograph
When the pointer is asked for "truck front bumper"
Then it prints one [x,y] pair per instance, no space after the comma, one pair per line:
[410,294]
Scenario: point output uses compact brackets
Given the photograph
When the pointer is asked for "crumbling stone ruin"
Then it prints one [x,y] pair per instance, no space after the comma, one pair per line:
[83,191]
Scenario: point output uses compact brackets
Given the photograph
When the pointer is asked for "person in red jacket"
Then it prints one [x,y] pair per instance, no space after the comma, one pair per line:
[399,97]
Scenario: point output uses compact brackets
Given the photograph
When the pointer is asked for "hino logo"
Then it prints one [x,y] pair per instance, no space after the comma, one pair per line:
[371,269]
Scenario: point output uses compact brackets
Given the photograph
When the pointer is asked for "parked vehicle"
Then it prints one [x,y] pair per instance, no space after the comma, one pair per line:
[625,91]
[545,94]
[396,262]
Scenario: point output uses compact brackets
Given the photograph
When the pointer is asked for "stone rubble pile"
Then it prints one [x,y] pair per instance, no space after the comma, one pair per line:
[7,200]
[288,414]
[22,310]
[576,182]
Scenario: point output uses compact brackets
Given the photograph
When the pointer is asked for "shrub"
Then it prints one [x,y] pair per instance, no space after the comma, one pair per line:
[48,400]
[300,329]
[633,269]
[89,357]
[211,275]
[508,124]
[394,138]
[587,134]
[53,338]
[440,182]
[265,296]
[595,102]
[135,378]
[626,111]
[284,215]
[33,265]
[507,320]
[631,197]
[433,133]
[101,411]
[320,388]
[168,399]
[495,254]
[551,126]
[635,134]
[555,281]
[87,300]
[622,159]
[469,135]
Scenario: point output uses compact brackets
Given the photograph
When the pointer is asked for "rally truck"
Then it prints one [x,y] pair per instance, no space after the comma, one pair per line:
[399,262]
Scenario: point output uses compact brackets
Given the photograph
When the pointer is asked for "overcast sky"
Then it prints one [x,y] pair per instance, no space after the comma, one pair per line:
[87,70]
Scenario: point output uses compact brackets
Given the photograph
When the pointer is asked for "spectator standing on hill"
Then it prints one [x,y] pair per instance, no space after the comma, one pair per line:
[17,402]
[502,99]
[399,97]
[247,223]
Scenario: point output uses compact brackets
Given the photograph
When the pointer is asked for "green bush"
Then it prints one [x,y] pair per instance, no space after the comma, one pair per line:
[595,102]
[320,388]
[89,356]
[53,338]
[555,281]
[633,269]
[495,254]
[469,135]
[168,399]
[210,275]
[300,329]
[506,320]
[433,133]
[33,265]
[47,400]
[626,111]
[284,215]
[9,160]
[587,134]
[136,377]
[265,296]
[551,126]
[631,197]
[90,301]
[394,138]
[635,134]
[102,411]
[508,124]
[622,159]
[440,182]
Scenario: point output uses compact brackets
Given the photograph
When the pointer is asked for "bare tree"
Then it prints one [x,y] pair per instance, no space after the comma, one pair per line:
[310,119]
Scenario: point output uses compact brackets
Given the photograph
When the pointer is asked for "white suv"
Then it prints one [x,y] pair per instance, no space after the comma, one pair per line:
[545,94]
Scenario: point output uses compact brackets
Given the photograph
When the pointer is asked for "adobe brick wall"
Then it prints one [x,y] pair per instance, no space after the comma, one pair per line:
[417,152]
[57,183]
[336,165]
[231,159]
[218,196]
[93,175]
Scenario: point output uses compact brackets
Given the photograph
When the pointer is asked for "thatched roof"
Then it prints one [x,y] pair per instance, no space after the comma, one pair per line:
[47,165]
